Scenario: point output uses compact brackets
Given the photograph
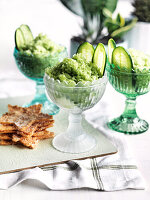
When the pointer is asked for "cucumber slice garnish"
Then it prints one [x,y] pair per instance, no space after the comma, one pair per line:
[19,39]
[122,59]
[111,47]
[87,50]
[99,58]
[28,37]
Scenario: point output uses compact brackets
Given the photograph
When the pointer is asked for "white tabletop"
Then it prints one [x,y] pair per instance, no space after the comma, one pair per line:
[11,16]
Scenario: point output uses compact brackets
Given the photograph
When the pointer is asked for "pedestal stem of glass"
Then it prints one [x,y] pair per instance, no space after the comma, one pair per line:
[74,130]
[41,98]
[129,122]
[75,139]
[130,108]
[40,92]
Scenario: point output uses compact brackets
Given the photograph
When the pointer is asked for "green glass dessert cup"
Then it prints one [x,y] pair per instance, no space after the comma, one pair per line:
[131,85]
[75,99]
[33,67]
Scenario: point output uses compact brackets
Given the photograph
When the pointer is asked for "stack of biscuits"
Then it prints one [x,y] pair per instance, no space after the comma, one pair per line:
[25,126]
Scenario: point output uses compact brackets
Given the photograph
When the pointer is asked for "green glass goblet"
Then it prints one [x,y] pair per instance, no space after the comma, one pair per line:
[33,67]
[131,85]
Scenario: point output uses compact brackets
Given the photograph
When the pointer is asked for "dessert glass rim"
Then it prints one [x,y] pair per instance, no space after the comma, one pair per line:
[100,81]
[133,73]
[23,54]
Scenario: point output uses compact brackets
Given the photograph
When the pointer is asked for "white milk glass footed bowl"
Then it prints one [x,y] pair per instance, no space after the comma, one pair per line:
[76,99]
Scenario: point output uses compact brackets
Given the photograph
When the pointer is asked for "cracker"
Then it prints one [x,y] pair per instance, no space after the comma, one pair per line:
[25,126]
[16,138]
[30,142]
[44,128]
[36,127]
[43,135]
[44,125]
[39,135]
[7,129]
[24,121]
[34,108]
[5,136]
[6,142]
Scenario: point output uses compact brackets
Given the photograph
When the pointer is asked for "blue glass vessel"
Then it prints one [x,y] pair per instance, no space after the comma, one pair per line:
[33,67]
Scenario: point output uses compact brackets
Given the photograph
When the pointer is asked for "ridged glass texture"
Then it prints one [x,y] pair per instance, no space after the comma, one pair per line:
[76,99]
[33,67]
[131,85]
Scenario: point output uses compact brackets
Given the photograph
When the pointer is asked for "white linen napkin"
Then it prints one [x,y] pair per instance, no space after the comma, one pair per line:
[108,173]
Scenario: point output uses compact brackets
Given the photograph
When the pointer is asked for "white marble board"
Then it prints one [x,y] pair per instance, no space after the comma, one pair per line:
[14,158]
